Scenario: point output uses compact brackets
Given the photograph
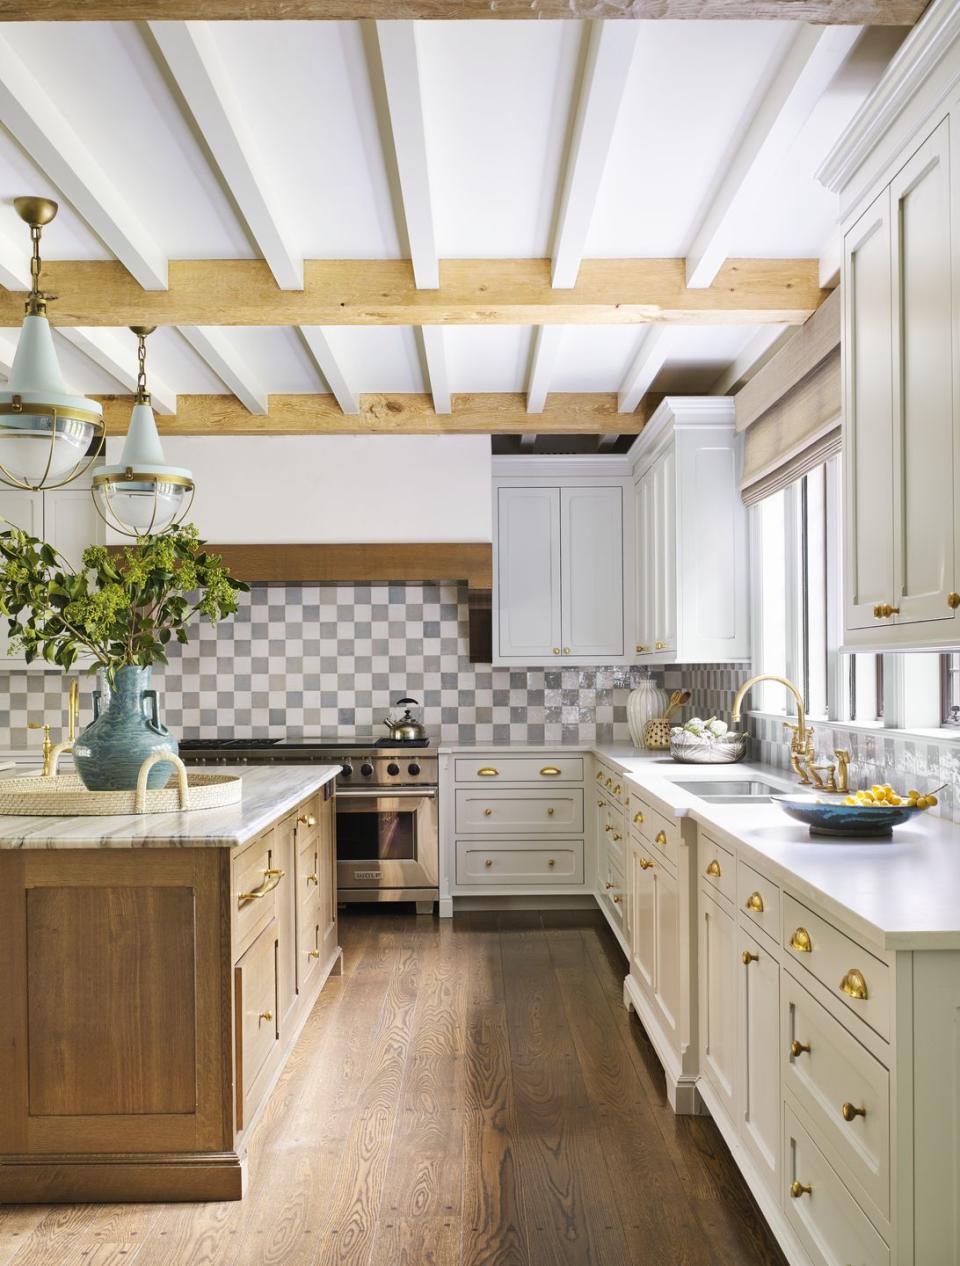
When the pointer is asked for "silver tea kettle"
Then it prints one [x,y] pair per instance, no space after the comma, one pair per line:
[407,728]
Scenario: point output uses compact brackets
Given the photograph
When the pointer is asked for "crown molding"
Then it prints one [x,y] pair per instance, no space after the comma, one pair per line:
[561,466]
[923,49]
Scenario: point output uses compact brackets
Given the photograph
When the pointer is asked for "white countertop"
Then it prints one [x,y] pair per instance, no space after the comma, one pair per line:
[900,894]
[269,791]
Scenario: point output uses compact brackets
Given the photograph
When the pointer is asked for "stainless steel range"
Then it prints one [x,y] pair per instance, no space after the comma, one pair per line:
[388,837]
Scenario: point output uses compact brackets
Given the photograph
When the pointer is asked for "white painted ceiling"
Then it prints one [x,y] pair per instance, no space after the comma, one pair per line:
[499,102]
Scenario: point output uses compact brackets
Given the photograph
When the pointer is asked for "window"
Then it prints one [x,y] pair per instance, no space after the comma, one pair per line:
[950,690]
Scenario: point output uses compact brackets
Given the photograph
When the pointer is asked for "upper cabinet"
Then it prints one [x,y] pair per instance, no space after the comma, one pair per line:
[897,170]
[691,548]
[560,553]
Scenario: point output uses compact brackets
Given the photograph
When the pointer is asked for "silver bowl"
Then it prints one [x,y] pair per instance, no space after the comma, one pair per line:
[692,750]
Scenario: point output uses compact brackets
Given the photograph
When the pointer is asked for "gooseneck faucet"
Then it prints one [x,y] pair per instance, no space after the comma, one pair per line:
[801,745]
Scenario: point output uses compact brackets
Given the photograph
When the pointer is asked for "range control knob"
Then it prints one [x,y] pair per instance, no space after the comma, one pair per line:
[346,771]
[366,769]
[393,768]
[413,768]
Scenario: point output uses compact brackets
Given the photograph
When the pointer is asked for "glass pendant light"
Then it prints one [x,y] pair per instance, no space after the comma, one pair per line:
[45,432]
[142,495]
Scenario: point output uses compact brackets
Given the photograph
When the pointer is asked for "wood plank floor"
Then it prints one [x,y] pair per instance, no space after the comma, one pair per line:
[468,1093]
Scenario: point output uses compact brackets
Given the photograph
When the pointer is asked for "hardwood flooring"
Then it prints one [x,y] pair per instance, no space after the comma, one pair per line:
[468,1093]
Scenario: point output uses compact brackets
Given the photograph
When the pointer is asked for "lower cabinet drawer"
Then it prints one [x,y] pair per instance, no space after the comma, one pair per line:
[255,882]
[661,834]
[500,769]
[831,1225]
[718,867]
[256,997]
[503,862]
[841,1087]
[852,974]
[526,812]
[759,899]
[309,947]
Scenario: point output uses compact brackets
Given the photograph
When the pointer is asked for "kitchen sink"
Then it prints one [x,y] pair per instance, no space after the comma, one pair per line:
[730,790]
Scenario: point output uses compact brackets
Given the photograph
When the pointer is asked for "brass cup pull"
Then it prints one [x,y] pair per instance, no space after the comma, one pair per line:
[307,819]
[713,869]
[599,775]
[800,941]
[487,812]
[313,879]
[608,782]
[645,863]
[798,1189]
[551,811]
[313,953]
[747,958]
[265,1015]
[550,771]
[488,771]
[272,879]
[638,817]
[799,1048]
[854,985]
[617,789]
[661,839]
[488,863]
[850,1113]
[754,902]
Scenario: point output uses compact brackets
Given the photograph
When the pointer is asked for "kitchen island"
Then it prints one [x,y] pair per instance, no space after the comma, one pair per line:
[157,971]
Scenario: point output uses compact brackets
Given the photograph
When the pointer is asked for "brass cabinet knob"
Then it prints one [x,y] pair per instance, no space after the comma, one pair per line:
[854,985]
[608,827]
[313,953]
[566,650]
[265,1015]
[661,839]
[713,869]
[883,611]
[638,816]
[552,861]
[645,863]
[307,819]
[798,1189]
[556,650]
[313,879]
[799,1048]
[641,650]
[953,601]
[615,836]
[488,863]
[661,646]
[617,899]
[754,902]
[608,885]
[551,811]
[800,941]
[850,1113]
[599,804]
[747,958]
[549,771]
[487,812]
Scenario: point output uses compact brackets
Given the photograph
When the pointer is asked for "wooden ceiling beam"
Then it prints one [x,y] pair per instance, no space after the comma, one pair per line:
[828,12]
[477,414]
[472,292]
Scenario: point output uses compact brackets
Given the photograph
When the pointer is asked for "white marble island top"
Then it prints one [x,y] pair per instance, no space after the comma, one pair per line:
[269,791]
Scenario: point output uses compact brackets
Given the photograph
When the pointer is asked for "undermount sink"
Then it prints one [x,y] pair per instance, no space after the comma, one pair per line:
[730,790]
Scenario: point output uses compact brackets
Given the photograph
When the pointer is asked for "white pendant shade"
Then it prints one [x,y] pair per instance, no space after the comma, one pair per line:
[143,495]
[45,431]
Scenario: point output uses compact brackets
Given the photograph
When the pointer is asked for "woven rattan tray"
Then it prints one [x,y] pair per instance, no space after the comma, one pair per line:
[65,796]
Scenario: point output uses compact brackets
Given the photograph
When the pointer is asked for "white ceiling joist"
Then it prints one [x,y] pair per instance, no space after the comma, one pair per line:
[322,353]
[27,111]
[648,361]
[213,346]
[119,358]
[191,54]
[15,264]
[8,348]
[546,348]
[606,70]
[813,57]
[435,354]
[757,349]
[830,258]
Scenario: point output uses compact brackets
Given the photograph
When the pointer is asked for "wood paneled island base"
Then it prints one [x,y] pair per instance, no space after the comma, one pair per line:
[151,993]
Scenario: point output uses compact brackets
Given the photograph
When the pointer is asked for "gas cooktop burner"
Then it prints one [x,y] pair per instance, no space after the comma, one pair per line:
[390,742]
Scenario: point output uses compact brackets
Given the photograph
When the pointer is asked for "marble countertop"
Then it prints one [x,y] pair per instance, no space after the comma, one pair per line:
[269,791]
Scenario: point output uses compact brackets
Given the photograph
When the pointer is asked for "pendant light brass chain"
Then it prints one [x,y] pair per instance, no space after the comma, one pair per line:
[143,395]
[36,304]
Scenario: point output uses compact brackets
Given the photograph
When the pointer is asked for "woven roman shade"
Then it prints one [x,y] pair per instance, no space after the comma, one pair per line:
[789,411]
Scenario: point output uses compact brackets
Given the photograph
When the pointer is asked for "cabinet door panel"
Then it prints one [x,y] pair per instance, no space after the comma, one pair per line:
[718,1001]
[643,943]
[664,539]
[668,948]
[591,570]
[759,1037]
[868,426]
[285,852]
[23,510]
[646,565]
[923,377]
[528,572]
[70,522]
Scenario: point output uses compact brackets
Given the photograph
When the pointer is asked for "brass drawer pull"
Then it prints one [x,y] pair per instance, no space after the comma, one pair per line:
[638,817]
[713,870]
[883,611]
[608,782]
[488,771]
[552,861]
[551,811]
[599,775]
[798,1189]
[265,1015]
[313,879]
[799,1048]
[661,839]
[313,953]
[273,878]
[800,941]
[550,771]
[307,819]
[854,985]
[850,1113]
[617,789]
[747,958]
[487,812]
[754,902]
[645,863]
[615,836]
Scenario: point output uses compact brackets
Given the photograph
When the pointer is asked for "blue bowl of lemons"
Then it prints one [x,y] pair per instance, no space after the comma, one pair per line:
[868,814]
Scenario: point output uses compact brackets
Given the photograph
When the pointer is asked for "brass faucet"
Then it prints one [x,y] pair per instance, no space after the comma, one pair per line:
[73,710]
[47,745]
[801,744]
[838,775]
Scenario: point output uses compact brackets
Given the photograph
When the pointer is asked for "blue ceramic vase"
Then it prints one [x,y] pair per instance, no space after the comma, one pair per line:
[109,752]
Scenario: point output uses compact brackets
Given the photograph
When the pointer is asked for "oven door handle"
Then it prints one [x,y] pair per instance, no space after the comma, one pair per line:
[388,793]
